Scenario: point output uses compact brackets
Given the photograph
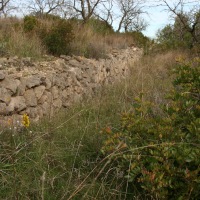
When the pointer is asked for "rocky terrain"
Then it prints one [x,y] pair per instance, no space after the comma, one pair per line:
[42,88]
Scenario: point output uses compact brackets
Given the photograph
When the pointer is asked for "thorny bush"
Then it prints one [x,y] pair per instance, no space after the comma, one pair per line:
[159,155]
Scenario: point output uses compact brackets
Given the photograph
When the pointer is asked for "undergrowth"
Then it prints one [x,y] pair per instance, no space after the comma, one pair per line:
[33,36]
[91,151]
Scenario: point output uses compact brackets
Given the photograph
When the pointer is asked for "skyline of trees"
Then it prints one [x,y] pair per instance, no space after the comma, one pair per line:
[126,15]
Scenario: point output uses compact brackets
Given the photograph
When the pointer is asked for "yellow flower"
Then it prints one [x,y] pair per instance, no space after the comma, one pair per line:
[10,121]
[25,120]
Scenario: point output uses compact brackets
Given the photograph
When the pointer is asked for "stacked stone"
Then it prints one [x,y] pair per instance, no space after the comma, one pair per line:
[43,88]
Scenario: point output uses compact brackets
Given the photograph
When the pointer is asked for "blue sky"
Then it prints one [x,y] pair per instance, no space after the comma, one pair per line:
[157,17]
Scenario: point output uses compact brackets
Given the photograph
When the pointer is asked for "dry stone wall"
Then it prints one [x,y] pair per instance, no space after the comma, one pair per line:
[43,88]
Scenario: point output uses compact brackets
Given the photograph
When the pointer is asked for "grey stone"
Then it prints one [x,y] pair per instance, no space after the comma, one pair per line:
[59,81]
[67,58]
[77,97]
[48,97]
[46,81]
[21,87]
[55,92]
[33,81]
[30,98]
[10,84]
[39,91]
[3,109]
[2,75]
[17,104]
[57,104]
[43,99]
[74,63]
[5,95]
[32,113]
[46,108]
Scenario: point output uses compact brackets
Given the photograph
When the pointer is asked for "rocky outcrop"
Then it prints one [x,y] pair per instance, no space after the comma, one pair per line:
[43,88]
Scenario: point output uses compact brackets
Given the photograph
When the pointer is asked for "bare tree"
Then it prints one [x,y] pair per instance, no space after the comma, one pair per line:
[138,24]
[86,8]
[5,7]
[45,6]
[105,12]
[3,4]
[129,11]
[187,21]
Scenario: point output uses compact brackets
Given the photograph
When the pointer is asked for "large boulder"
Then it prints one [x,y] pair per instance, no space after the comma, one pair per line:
[2,75]
[3,109]
[5,95]
[10,84]
[16,104]
[30,98]
[39,91]
[33,81]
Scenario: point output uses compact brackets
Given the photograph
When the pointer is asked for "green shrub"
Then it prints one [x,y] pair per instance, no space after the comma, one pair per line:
[57,40]
[99,26]
[30,22]
[159,155]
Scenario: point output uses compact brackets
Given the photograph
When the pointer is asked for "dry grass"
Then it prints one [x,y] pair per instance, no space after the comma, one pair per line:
[61,159]
[87,41]
[25,45]
[14,42]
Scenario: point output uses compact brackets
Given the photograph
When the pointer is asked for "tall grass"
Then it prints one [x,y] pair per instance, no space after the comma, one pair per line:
[25,45]
[88,42]
[60,158]
[91,44]
[15,42]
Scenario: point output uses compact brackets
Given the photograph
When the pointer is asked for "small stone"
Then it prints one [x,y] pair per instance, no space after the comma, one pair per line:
[30,98]
[3,109]
[17,104]
[42,99]
[21,87]
[39,91]
[33,81]
[5,95]
[55,92]
[2,75]
[10,84]
[57,104]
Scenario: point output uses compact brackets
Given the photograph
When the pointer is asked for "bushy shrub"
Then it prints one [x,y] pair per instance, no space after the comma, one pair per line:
[58,38]
[100,26]
[159,155]
[30,22]
[55,33]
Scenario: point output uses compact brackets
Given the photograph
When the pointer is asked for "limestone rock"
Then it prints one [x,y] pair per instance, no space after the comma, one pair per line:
[47,83]
[65,98]
[10,84]
[32,112]
[57,104]
[3,109]
[42,99]
[46,108]
[21,87]
[5,95]
[59,81]
[39,91]
[30,98]
[77,97]
[16,104]
[55,92]
[33,81]
[2,75]
[48,97]
[74,63]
